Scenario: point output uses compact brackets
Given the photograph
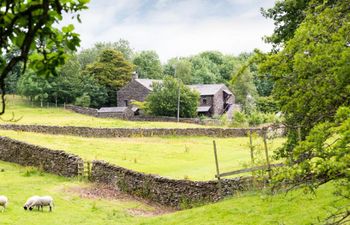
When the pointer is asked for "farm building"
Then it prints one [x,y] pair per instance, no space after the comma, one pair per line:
[215,99]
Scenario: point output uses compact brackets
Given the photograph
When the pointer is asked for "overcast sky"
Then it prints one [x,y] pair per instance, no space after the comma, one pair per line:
[177,27]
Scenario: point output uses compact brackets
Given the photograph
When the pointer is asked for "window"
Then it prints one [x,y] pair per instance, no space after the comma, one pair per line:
[204,101]
[126,102]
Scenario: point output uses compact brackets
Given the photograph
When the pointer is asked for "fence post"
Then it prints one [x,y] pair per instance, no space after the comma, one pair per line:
[217,167]
[299,133]
[267,153]
[251,146]
[252,153]
[89,169]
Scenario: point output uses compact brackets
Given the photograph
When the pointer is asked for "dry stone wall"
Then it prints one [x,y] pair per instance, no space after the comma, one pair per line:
[82,110]
[130,132]
[169,192]
[52,161]
[175,193]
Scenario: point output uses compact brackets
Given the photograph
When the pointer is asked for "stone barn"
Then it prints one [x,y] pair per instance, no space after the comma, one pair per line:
[215,99]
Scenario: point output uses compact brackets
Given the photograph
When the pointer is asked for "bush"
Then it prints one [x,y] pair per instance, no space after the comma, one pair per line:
[239,119]
[83,100]
[254,119]
[266,105]
[164,97]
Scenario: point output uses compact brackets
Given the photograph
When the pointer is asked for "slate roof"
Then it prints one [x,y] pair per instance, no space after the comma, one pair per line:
[208,89]
[112,109]
[147,83]
[203,108]
[203,89]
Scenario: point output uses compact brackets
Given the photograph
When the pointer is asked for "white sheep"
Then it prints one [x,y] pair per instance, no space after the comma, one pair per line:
[3,202]
[41,202]
[30,201]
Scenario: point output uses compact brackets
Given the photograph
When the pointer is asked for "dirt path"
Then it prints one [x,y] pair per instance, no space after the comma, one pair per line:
[100,191]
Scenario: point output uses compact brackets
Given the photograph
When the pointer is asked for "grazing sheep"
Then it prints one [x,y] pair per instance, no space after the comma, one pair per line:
[41,202]
[30,201]
[3,202]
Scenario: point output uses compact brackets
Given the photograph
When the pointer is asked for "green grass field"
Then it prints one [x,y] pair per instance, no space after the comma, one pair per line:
[18,183]
[174,157]
[60,117]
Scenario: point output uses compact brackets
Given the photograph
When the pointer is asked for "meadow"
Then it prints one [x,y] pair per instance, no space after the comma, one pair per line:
[72,207]
[20,109]
[175,157]
[18,183]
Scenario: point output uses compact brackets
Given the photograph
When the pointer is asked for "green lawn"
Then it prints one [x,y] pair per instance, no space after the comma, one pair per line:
[61,117]
[295,208]
[175,157]
[18,183]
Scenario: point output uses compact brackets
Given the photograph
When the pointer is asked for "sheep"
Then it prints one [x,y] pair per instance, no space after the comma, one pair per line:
[30,201]
[3,202]
[41,202]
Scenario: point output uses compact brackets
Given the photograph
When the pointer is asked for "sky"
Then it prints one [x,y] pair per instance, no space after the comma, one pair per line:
[175,28]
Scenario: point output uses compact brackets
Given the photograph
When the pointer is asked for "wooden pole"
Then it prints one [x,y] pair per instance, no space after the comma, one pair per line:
[252,153]
[299,133]
[251,146]
[217,166]
[267,155]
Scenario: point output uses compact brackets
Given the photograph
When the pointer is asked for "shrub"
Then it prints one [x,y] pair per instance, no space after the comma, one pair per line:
[83,100]
[164,97]
[266,104]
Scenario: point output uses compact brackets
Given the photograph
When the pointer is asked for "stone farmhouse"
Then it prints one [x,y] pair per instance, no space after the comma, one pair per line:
[215,99]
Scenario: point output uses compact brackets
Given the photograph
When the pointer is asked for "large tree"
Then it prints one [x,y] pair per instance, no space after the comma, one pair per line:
[162,101]
[311,73]
[312,85]
[28,28]
[148,65]
[90,55]
[111,71]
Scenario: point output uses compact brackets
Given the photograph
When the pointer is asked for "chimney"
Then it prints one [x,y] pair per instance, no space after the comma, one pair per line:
[135,75]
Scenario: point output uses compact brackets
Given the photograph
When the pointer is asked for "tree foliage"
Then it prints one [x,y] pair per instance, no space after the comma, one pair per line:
[324,156]
[311,73]
[91,55]
[162,101]
[111,71]
[312,86]
[27,27]
[287,16]
[148,65]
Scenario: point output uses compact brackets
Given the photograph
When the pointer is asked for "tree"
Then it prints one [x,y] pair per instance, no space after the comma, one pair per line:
[311,73]
[33,86]
[111,71]
[244,90]
[162,101]
[90,55]
[312,85]
[322,157]
[28,27]
[287,16]
[183,70]
[148,65]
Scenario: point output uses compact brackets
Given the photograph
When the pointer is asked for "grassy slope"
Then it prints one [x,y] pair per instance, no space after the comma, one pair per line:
[69,207]
[176,157]
[254,208]
[60,117]
[258,209]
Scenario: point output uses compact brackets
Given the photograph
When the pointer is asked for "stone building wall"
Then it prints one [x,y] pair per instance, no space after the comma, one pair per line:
[169,192]
[52,161]
[132,91]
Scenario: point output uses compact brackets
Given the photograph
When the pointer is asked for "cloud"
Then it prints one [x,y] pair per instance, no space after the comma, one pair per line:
[177,27]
